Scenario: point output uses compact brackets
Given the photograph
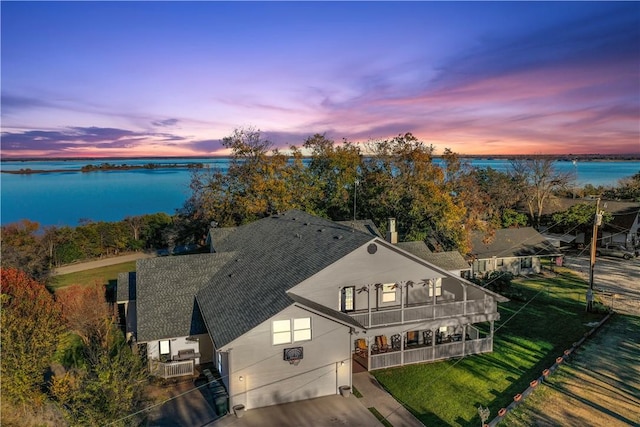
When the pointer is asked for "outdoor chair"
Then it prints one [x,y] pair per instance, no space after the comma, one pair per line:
[411,338]
[361,348]
[381,344]
[427,337]
[395,341]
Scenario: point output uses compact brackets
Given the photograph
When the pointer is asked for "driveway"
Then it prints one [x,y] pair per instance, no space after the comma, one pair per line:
[616,281]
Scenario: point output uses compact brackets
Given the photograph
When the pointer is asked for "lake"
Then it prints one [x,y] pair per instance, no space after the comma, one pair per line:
[63,198]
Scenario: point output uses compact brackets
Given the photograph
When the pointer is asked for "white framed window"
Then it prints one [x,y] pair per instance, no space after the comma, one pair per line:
[389,292]
[435,285]
[348,298]
[500,262]
[281,331]
[302,329]
[291,330]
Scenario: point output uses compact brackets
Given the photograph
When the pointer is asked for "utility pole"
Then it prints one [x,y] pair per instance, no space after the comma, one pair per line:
[355,195]
[597,220]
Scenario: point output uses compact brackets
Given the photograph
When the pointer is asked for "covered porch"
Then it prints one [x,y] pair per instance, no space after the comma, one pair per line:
[403,348]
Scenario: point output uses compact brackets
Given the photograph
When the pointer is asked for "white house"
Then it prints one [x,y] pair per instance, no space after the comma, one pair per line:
[285,306]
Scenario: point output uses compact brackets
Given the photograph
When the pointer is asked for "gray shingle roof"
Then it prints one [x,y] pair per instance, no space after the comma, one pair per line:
[364,225]
[417,248]
[272,255]
[450,261]
[511,242]
[126,288]
[166,289]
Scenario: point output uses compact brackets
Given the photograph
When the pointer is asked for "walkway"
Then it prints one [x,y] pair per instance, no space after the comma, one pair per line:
[373,395]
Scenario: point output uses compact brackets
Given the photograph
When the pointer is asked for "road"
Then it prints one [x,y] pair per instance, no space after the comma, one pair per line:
[81,266]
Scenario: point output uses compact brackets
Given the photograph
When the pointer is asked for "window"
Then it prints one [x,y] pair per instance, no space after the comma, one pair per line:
[282,330]
[499,262]
[348,298]
[525,262]
[437,285]
[389,292]
[165,350]
[302,329]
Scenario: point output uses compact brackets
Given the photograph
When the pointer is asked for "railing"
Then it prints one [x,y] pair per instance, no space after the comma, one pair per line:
[429,353]
[171,369]
[394,315]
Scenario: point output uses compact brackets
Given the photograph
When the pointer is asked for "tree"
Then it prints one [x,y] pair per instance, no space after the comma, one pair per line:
[540,179]
[87,313]
[22,249]
[627,189]
[31,325]
[108,383]
[333,172]
[579,217]
[401,181]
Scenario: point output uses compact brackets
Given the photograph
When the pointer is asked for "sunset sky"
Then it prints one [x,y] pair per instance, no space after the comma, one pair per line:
[100,79]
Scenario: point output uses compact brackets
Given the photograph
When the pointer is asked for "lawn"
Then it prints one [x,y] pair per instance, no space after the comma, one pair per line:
[600,386]
[531,333]
[104,275]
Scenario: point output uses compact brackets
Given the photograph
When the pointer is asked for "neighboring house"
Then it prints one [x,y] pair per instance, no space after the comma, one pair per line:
[285,305]
[514,250]
[624,229]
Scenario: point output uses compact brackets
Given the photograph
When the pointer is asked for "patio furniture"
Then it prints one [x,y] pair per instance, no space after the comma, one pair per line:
[411,339]
[396,341]
[381,344]
[361,347]
[427,337]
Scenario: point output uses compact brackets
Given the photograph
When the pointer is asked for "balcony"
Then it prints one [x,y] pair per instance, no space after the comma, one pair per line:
[400,314]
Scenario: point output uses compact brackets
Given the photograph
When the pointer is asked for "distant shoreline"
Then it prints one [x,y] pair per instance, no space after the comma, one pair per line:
[104,167]
[558,157]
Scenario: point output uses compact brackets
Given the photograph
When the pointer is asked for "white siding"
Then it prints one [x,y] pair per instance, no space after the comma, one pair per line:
[360,268]
[258,375]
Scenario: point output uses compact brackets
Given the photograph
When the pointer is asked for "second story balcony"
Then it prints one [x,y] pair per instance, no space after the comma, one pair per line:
[395,304]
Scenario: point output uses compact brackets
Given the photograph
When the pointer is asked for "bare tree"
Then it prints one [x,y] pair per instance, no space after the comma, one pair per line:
[539,179]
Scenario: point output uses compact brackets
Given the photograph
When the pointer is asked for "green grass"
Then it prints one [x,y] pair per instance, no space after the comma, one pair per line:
[528,338]
[102,275]
[356,392]
[380,418]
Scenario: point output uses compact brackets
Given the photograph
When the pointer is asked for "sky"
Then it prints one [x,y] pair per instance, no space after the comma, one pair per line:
[113,79]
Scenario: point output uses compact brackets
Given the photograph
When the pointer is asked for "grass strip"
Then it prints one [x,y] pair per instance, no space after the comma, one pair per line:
[102,275]
[380,418]
[356,392]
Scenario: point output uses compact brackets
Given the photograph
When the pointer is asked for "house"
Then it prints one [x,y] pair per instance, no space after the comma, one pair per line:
[623,229]
[285,306]
[514,250]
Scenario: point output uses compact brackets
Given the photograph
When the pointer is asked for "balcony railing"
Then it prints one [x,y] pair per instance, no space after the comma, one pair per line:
[429,353]
[398,315]
[171,369]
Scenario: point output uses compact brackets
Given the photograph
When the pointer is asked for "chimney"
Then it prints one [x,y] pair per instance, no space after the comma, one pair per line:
[392,234]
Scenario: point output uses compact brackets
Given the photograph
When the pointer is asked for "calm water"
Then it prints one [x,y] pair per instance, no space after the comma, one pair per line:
[63,198]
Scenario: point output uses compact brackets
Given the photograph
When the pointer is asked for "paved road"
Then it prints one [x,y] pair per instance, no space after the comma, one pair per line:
[617,281]
[73,268]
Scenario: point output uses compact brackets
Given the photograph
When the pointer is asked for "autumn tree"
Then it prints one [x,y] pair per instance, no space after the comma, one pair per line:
[22,249]
[539,179]
[108,383]
[31,325]
[400,180]
[259,181]
[334,171]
